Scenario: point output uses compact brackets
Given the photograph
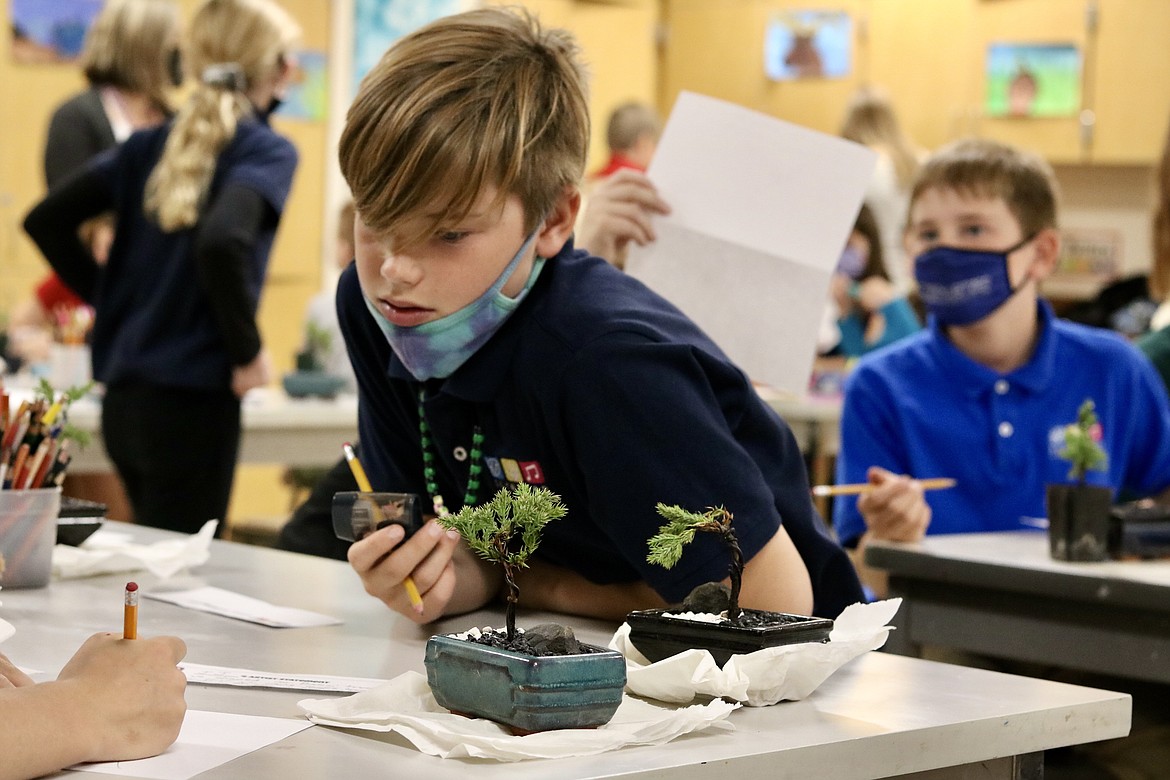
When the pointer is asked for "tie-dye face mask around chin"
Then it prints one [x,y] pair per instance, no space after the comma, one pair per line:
[436,349]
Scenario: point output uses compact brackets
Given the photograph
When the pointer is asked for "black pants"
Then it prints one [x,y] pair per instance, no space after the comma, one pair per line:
[175,450]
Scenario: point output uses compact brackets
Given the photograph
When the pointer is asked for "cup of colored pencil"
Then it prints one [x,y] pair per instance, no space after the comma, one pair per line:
[34,445]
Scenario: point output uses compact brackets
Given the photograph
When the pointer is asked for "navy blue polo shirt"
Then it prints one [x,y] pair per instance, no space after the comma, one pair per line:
[603,392]
[921,407]
[153,320]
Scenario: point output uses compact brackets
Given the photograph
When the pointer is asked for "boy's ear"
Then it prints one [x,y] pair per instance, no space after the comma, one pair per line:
[1047,243]
[558,225]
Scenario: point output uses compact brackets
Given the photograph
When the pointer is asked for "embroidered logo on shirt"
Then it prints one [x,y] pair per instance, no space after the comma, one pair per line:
[514,470]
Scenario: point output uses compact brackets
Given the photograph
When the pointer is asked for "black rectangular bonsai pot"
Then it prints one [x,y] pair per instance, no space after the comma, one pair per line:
[657,636]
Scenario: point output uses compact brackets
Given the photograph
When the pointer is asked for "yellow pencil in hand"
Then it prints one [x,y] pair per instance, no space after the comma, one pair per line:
[363,482]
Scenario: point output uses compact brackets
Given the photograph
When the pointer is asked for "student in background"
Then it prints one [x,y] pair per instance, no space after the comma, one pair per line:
[130,61]
[632,136]
[1156,343]
[979,395]
[115,700]
[871,313]
[321,313]
[870,120]
[468,309]
[198,201]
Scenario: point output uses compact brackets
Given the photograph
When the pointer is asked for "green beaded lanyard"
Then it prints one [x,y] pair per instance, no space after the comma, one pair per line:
[428,456]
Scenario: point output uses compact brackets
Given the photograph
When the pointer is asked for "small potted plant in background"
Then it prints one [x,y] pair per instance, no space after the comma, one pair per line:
[534,680]
[311,377]
[711,618]
[1078,514]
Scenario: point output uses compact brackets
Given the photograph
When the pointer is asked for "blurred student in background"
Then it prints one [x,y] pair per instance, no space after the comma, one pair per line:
[1156,343]
[198,201]
[632,136]
[321,312]
[131,62]
[983,394]
[870,120]
[870,312]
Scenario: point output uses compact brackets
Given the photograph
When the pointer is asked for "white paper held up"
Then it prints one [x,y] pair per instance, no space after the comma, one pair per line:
[405,705]
[760,211]
[108,551]
[235,605]
[788,672]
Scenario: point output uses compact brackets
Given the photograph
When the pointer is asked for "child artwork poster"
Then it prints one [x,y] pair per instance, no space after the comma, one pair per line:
[1033,80]
[379,23]
[308,93]
[808,45]
[50,32]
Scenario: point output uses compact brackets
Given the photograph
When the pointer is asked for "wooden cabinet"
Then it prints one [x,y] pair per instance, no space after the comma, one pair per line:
[1125,97]
[931,56]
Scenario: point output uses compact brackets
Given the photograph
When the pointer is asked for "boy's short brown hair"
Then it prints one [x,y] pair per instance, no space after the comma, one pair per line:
[478,99]
[983,168]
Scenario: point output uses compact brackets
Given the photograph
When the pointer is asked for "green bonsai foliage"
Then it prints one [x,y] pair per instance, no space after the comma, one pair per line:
[318,340]
[1082,445]
[666,547]
[506,530]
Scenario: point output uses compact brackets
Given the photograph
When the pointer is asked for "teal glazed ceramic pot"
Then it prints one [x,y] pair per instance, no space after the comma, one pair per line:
[303,384]
[657,636]
[526,693]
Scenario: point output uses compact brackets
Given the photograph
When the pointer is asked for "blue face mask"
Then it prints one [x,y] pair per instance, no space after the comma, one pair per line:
[434,350]
[851,263]
[962,286]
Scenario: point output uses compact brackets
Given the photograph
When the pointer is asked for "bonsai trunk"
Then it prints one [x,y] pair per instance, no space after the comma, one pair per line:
[733,611]
[513,600]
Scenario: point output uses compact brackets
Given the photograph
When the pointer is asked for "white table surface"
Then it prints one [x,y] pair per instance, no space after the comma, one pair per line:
[881,715]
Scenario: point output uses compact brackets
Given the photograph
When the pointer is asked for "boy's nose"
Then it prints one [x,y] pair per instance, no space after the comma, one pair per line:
[400,267]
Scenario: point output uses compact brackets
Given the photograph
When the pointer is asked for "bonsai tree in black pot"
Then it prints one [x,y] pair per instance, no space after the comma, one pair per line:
[659,633]
[533,680]
[1078,514]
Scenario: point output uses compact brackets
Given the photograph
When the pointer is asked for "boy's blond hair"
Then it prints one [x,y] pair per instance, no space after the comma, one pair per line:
[989,169]
[129,44]
[478,99]
[254,35]
[628,123]
[870,120]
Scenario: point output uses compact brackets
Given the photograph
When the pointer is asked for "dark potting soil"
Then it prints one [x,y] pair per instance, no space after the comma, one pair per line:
[754,618]
[522,644]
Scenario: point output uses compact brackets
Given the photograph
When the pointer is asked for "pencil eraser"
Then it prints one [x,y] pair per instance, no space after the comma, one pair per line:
[131,586]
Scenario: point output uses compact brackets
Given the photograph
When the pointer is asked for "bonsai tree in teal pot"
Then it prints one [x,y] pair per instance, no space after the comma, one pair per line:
[534,680]
[1078,513]
[711,618]
[311,377]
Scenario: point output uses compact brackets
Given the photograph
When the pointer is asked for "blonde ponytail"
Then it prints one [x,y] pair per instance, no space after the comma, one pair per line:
[178,185]
[235,45]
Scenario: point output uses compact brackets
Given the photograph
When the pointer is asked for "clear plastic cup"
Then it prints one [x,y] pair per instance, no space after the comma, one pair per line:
[28,531]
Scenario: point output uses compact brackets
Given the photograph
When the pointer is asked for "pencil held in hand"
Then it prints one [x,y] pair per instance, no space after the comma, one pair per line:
[856,489]
[363,483]
[130,615]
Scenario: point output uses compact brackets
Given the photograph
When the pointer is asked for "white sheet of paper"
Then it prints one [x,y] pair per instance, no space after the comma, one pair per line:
[760,211]
[206,740]
[203,674]
[235,605]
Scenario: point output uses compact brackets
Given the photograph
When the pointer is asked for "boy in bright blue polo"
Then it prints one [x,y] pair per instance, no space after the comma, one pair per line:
[982,394]
[488,351]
